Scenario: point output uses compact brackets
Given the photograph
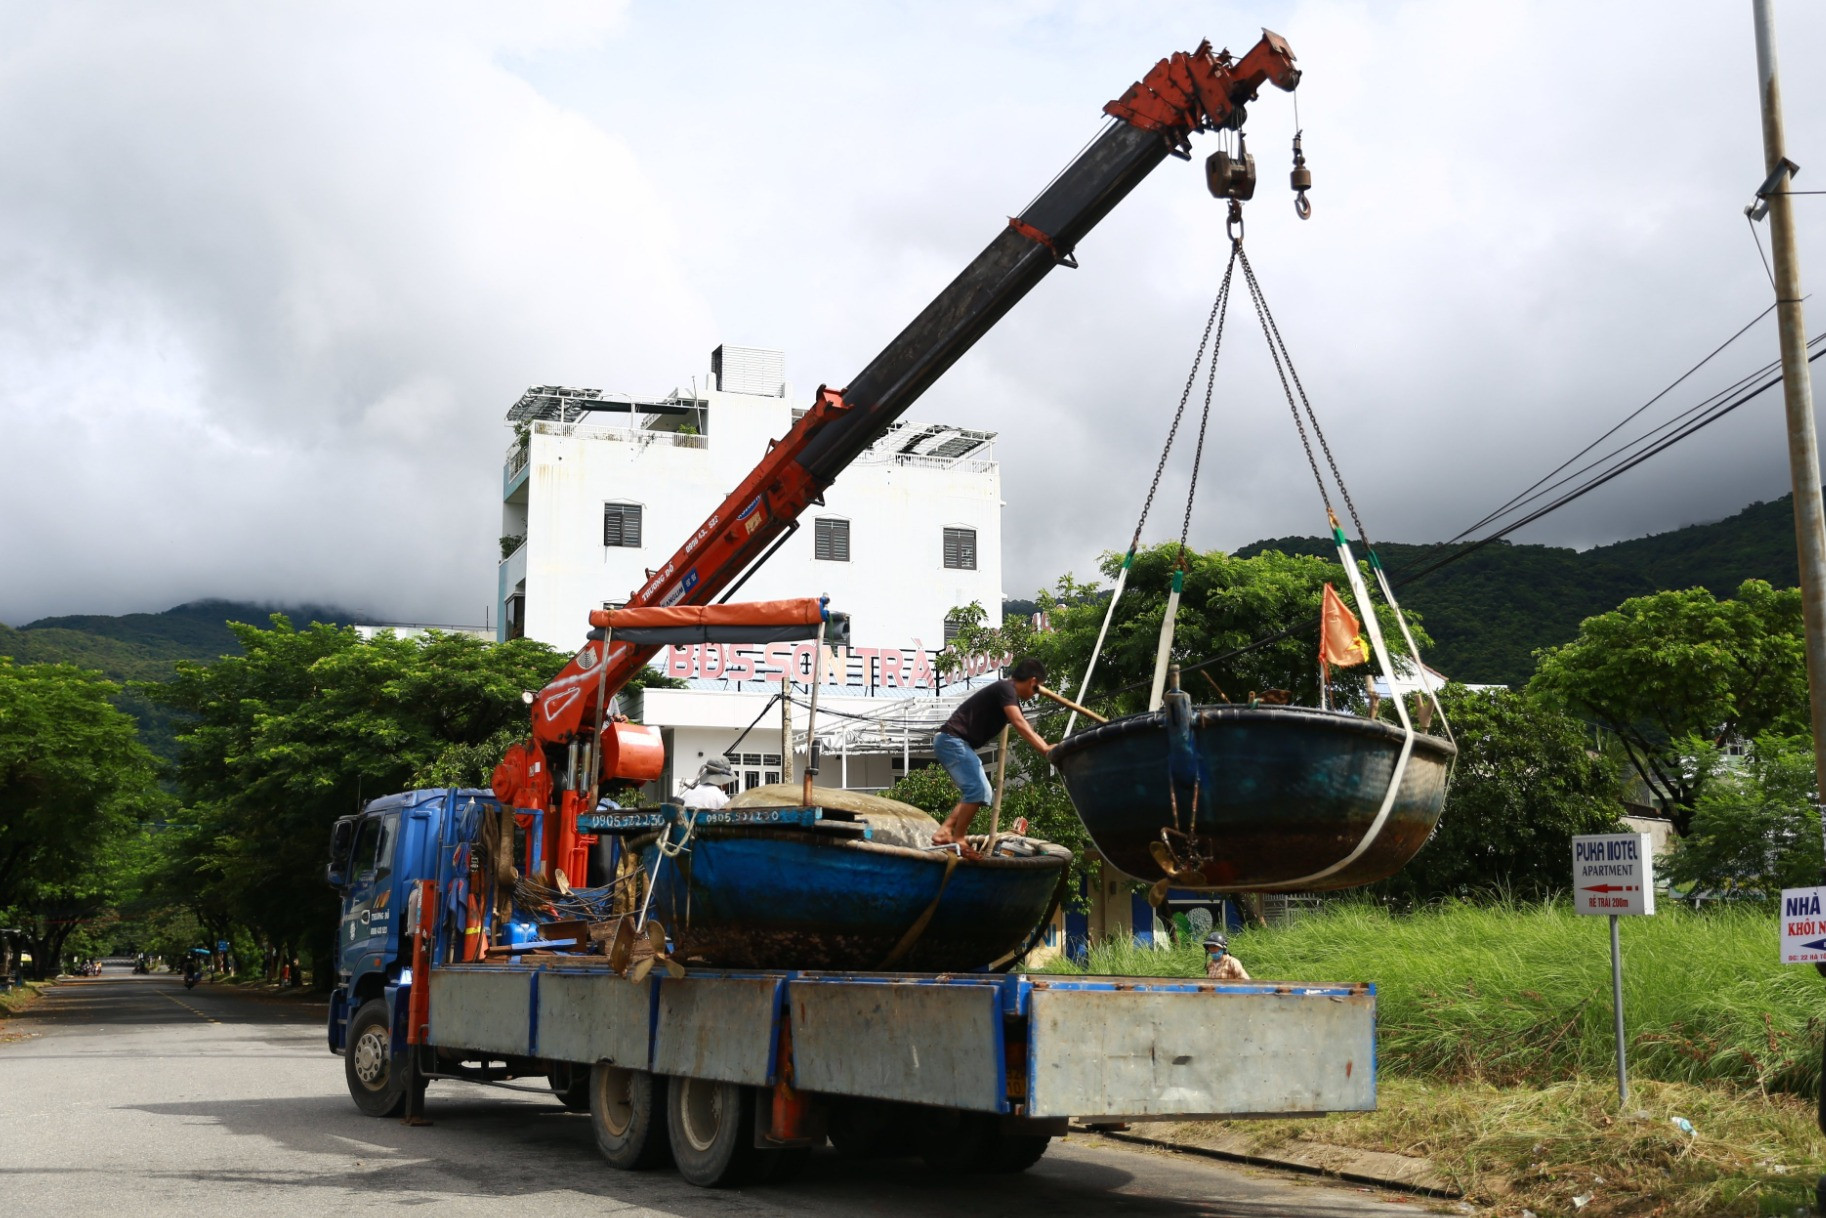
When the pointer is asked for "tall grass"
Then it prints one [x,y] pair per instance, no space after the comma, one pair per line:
[1512,993]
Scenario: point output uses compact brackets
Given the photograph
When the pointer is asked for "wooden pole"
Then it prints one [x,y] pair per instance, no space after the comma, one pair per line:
[1069,705]
[1001,772]
[811,716]
[786,727]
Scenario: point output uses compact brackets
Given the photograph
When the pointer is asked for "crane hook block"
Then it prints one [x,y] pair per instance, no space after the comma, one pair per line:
[1301,181]
[1231,175]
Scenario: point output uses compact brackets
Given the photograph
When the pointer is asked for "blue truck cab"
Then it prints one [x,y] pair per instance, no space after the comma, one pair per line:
[376,856]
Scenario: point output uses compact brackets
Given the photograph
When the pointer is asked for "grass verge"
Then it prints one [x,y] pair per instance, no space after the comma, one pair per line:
[1512,994]
[16,999]
[1539,1149]
[1496,1053]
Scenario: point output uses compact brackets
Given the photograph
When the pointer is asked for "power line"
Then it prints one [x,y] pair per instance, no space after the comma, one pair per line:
[1408,576]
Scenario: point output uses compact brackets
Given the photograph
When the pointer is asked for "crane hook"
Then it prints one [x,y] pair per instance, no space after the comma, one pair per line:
[1301,180]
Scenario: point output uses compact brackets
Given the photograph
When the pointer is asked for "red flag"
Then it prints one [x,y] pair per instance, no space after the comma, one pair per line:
[1341,642]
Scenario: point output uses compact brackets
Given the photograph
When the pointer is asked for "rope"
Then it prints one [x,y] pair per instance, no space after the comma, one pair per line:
[915,931]
[1122,579]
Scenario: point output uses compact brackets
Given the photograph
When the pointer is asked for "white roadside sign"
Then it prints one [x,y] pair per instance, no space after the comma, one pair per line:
[1803,927]
[1612,874]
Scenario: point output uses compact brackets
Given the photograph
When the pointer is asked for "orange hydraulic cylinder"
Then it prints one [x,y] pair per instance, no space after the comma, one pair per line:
[418,1005]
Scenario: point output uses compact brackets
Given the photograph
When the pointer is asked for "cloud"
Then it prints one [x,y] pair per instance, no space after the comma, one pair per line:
[272,276]
[269,277]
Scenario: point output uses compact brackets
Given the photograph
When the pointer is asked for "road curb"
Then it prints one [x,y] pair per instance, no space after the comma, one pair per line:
[1382,1168]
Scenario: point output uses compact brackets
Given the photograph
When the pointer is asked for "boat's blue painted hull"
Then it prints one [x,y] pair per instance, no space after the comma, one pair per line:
[777,899]
[1267,797]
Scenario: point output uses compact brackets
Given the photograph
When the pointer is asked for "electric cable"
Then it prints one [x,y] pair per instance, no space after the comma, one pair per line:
[1497,514]
[1411,575]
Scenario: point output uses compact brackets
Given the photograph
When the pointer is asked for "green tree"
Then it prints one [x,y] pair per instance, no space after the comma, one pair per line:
[1661,669]
[1525,782]
[74,784]
[1260,614]
[304,727]
[1755,827]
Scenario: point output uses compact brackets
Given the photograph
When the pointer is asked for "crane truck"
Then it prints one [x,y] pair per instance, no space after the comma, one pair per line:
[735,1075]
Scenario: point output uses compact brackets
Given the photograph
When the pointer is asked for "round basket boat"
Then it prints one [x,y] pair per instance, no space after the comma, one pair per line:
[775,898]
[1255,798]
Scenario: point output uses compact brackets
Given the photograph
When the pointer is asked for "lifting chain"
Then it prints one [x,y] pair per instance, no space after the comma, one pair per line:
[1204,418]
[1218,308]
[1283,366]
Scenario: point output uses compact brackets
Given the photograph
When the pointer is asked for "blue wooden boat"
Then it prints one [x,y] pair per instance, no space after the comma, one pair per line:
[749,896]
[1254,798]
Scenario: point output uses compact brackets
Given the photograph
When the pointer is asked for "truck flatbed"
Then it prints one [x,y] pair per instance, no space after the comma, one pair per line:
[1022,1045]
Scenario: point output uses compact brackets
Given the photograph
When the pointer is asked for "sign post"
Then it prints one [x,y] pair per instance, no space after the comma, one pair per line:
[1613,876]
[1803,926]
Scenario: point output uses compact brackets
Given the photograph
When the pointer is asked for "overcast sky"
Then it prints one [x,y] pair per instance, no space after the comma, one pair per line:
[271,275]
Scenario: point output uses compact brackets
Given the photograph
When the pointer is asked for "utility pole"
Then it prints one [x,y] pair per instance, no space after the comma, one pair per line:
[1797,385]
[786,727]
[1797,397]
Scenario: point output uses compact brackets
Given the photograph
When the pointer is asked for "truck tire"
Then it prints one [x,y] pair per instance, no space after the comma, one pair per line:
[712,1128]
[955,1141]
[377,1079]
[1016,1152]
[628,1116]
[571,1084]
[870,1129]
[787,1165]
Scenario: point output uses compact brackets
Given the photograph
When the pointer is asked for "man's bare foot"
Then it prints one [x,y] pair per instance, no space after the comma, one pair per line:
[946,836]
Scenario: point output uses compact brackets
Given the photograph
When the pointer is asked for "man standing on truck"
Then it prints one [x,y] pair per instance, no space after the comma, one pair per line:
[974,723]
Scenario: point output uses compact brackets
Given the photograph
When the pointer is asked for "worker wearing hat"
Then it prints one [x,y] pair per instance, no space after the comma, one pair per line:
[1220,965]
[706,791]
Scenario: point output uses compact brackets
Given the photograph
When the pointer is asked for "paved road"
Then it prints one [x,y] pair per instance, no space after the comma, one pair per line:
[129,1095]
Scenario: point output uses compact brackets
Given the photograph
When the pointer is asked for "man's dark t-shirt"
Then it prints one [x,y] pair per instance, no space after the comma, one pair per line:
[980,716]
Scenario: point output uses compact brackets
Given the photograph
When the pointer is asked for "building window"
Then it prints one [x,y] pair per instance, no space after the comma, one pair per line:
[833,540]
[621,525]
[952,625]
[514,611]
[960,549]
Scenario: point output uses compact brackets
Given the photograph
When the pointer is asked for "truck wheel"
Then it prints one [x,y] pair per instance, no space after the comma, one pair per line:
[951,1140]
[712,1127]
[787,1165]
[1016,1152]
[955,1141]
[628,1115]
[377,1079]
[571,1084]
[869,1129]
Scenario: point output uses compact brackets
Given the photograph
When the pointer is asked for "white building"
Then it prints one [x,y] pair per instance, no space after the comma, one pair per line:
[600,487]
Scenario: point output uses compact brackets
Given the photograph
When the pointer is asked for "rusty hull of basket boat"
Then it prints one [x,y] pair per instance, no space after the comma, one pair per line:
[1274,796]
